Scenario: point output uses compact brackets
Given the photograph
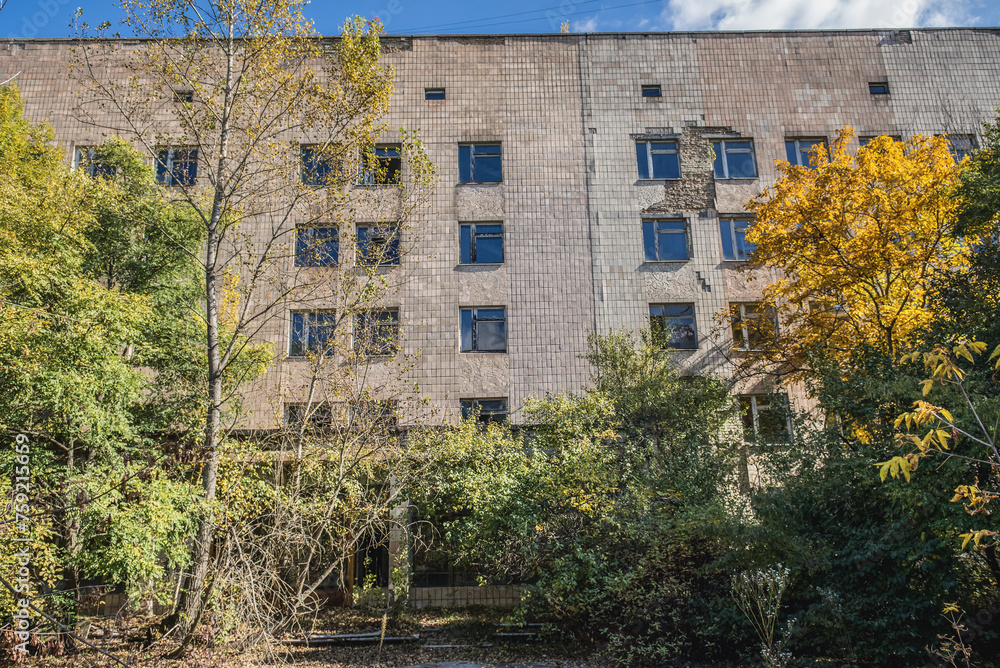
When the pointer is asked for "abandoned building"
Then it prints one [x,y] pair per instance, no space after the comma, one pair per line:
[594,182]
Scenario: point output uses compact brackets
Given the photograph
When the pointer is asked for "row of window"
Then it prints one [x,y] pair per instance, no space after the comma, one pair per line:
[763,417]
[483,243]
[654,90]
[656,159]
[484,329]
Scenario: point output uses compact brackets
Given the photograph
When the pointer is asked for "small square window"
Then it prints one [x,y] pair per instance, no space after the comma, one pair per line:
[484,330]
[800,151]
[765,418]
[962,146]
[378,246]
[185,96]
[316,246]
[318,164]
[878,88]
[673,326]
[482,243]
[177,166]
[380,166]
[734,159]
[376,333]
[86,158]
[434,93]
[734,242]
[658,159]
[754,326]
[651,90]
[311,333]
[485,410]
[480,163]
[665,240]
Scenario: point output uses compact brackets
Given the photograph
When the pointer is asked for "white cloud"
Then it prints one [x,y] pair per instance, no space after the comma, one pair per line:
[784,14]
[589,25]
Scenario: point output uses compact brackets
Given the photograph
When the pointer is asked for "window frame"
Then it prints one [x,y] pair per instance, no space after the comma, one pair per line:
[470,407]
[733,237]
[873,85]
[654,90]
[323,171]
[755,411]
[647,143]
[960,154]
[379,175]
[429,92]
[722,157]
[798,141]
[392,258]
[471,148]
[307,347]
[380,348]
[321,419]
[84,157]
[650,226]
[165,166]
[666,319]
[738,318]
[302,253]
[474,320]
[473,236]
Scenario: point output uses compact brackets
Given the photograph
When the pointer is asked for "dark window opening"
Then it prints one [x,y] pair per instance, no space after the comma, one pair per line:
[177,166]
[376,333]
[184,96]
[673,326]
[481,243]
[878,88]
[962,146]
[434,93]
[665,240]
[485,410]
[316,246]
[658,159]
[88,160]
[378,246]
[317,417]
[651,90]
[754,325]
[480,163]
[380,166]
[484,329]
[319,167]
[764,418]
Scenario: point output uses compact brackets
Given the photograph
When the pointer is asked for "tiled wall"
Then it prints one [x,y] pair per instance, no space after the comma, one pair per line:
[567,109]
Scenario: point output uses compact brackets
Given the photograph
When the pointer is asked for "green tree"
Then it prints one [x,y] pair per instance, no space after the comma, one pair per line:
[276,121]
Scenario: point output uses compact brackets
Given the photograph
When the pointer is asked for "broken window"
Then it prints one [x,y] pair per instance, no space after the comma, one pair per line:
[665,240]
[484,330]
[311,333]
[380,166]
[480,163]
[482,243]
[376,332]
[734,159]
[765,417]
[485,410]
[316,246]
[378,246]
[177,166]
[673,326]
[755,325]
[658,159]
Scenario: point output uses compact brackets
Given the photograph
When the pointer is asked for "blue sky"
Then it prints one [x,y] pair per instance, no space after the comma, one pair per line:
[51,18]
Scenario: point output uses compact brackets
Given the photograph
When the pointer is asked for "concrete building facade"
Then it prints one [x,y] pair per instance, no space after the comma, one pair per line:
[626,161]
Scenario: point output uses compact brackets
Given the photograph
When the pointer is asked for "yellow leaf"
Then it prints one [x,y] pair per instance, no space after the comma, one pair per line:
[947,415]
[967,537]
[943,437]
[962,351]
[927,384]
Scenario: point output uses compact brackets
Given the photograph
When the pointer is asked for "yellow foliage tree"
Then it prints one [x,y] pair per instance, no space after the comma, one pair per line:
[857,239]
